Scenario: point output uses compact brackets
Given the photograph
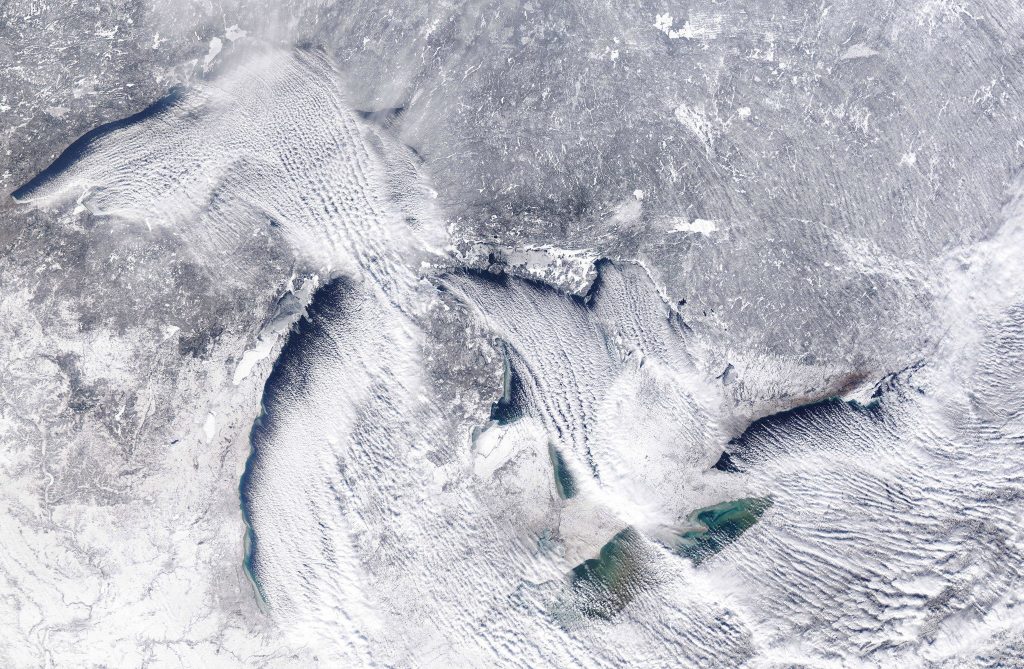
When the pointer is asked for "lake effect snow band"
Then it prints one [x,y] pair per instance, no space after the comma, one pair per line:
[375,540]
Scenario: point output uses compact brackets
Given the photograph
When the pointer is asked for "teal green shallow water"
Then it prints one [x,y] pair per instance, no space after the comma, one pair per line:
[719,526]
[604,585]
[245,501]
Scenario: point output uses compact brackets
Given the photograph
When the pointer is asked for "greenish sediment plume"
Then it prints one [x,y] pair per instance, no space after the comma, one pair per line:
[249,538]
[604,585]
[719,526]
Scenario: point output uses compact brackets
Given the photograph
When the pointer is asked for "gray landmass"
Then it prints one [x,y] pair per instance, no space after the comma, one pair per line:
[807,189]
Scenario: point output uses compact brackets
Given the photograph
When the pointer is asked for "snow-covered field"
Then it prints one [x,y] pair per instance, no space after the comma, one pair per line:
[512,335]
